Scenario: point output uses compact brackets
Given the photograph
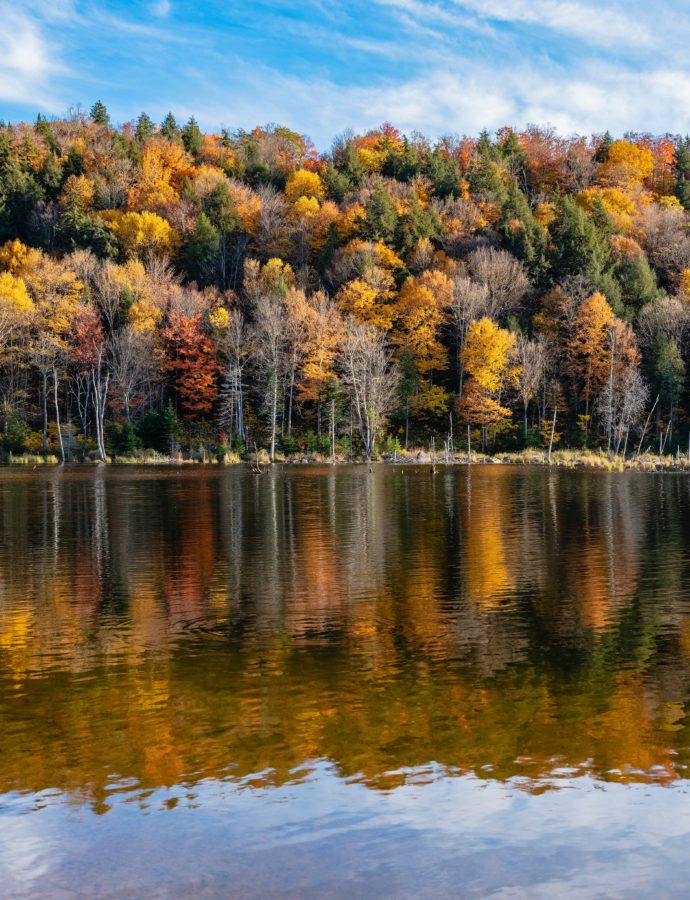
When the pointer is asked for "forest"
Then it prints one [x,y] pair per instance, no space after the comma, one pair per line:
[166,291]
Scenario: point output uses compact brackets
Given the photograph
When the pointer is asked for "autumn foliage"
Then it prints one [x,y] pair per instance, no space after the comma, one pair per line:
[238,287]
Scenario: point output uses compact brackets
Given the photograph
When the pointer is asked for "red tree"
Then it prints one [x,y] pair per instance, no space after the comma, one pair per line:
[192,361]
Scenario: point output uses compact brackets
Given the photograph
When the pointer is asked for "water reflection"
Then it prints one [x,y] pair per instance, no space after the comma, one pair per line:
[389,658]
[159,629]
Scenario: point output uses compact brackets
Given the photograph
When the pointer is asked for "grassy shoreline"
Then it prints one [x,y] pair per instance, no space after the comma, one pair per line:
[569,459]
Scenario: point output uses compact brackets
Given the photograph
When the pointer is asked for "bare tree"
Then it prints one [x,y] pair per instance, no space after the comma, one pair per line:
[131,366]
[664,235]
[235,346]
[269,344]
[369,378]
[470,301]
[271,235]
[502,274]
[160,270]
[622,405]
[108,295]
[532,356]
[667,316]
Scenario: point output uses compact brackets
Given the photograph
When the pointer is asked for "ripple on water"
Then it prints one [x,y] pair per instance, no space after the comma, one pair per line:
[427,673]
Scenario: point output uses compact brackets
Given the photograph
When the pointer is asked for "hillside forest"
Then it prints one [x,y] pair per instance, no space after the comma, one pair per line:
[170,291]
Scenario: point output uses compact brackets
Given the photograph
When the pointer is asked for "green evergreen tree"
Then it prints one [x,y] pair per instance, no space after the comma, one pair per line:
[79,231]
[192,138]
[579,247]
[20,191]
[401,164]
[169,428]
[381,216]
[514,156]
[669,373]
[419,222]
[144,128]
[524,236]
[200,253]
[444,173]
[170,128]
[51,176]
[682,171]
[637,281]
[44,129]
[602,151]
[99,114]
[485,179]
[337,183]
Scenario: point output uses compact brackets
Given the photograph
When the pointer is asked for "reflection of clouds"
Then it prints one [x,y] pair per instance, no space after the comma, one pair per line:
[221,625]
[29,846]
[478,837]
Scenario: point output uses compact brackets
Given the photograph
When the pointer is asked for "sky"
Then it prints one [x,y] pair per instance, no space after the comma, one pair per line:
[322,66]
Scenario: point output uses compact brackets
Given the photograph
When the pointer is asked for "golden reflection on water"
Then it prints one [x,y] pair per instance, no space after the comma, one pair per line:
[158,628]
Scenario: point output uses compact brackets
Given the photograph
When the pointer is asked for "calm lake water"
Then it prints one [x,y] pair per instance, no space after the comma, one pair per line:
[339,683]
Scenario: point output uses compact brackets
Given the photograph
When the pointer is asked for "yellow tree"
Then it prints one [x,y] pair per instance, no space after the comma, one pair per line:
[588,351]
[140,233]
[56,291]
[489,357]
[274,277]
[368,301]
[420,313]
[16,306]
[164,168]
[304,183]
[15,256]
[421,310]
[619,206]
[318,328]
[311,221]
[627,166]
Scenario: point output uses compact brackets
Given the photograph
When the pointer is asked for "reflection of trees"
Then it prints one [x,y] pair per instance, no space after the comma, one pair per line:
[227,624]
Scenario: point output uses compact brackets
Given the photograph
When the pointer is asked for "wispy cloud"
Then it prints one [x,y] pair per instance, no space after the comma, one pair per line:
[437,65]
[162,9]
[600,23]
[28,60]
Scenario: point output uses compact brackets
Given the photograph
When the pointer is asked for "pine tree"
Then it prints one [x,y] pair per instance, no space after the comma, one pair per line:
[99,114]
[579,247]
[382,219]
[602,153]
[524,236]
[444,173]
[682,171]
[200,255]
[144,127]
[192,138]
[169,127]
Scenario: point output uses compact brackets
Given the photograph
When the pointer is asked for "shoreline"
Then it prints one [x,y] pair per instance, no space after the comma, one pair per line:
[560,459]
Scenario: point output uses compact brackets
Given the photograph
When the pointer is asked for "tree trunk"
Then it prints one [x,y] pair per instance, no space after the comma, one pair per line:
[45,411]
[57,414]
[274,417]
[332,431]
[553,431]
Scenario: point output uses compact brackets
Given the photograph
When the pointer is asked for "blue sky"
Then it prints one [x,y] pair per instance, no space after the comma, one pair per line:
[320,66]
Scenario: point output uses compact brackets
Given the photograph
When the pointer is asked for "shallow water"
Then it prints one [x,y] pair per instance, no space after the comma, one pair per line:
[322,682]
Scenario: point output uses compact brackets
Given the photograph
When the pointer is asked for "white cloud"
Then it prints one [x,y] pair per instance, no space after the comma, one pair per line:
[601,23]
[162,9]
[27,61]
[468,64]
[456,96]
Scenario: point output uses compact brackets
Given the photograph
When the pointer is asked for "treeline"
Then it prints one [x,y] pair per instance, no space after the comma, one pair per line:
[169,289]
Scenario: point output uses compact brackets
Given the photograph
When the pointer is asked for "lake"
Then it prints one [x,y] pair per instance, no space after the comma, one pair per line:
[331,682]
